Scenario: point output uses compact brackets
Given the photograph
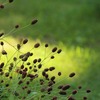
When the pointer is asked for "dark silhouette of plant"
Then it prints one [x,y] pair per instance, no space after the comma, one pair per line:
[25,77]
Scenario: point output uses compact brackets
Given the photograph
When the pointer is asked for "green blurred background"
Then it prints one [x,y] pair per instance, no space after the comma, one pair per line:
[74,24]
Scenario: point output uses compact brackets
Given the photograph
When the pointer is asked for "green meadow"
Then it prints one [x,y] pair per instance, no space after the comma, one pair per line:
[72,25]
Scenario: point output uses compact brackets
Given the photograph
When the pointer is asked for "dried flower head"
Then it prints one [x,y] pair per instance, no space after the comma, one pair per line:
[54,49]
[36,45]
[10,1]
[25,41]
[1,6]
[1,34]
[4,52]
[16,26]
[72,74]
[34,21]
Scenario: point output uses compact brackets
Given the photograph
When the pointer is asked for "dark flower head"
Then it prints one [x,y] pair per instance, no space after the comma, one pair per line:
[59,51]
[16,26]
[60,86]
[7,85]
[15,59]
[74,92]
[34,21]
[52,57]
[46,69]
[18,46]
[88,91]
[52,68]
[36,45]
[29,91]
[7,74]
[1,65]
[59,73]
[39,66]
[1,6]
[25,41]
[2,81]
[53,78]
[46,45]
[84,98]
[35,61]
[39,60]
[65,87]
[54,49]
[79,87]
[62,93]
[10,1]
[4,52]
[2,43]
[35,70]
[72,74]
[1,34]
[49,89]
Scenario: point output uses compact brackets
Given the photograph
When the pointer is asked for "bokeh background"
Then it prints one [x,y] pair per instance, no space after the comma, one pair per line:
[73,25]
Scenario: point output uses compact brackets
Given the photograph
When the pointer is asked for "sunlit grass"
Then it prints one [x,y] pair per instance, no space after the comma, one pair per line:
[71,59]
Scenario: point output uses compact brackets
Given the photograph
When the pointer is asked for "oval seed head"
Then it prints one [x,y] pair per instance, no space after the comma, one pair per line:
[66,87]
[1,65]
[52,68]
[46,45]
[79,87]
[53,78]
[35,70]
[39,66]
[72,74]
[88,91]
[1,6]
[15,59]
[74,92]
[10,1]
[39,59]
[7,85]
[59,51]
[16,26]
[36,45]
[2,43]
[1,34]
[52,57]
[54,49]
[62,93]
[59,73]
[4,52]
[31,54]
[84,98]
[2,81]
[6,74]
[34,21]
[60,86]
[29,91]
[25,41]
[18,46]
[49,89]
[35,61]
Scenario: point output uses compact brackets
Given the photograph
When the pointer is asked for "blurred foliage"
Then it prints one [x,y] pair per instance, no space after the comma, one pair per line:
[73,22]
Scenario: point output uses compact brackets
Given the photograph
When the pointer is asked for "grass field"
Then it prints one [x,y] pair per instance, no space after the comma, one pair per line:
[71,25]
